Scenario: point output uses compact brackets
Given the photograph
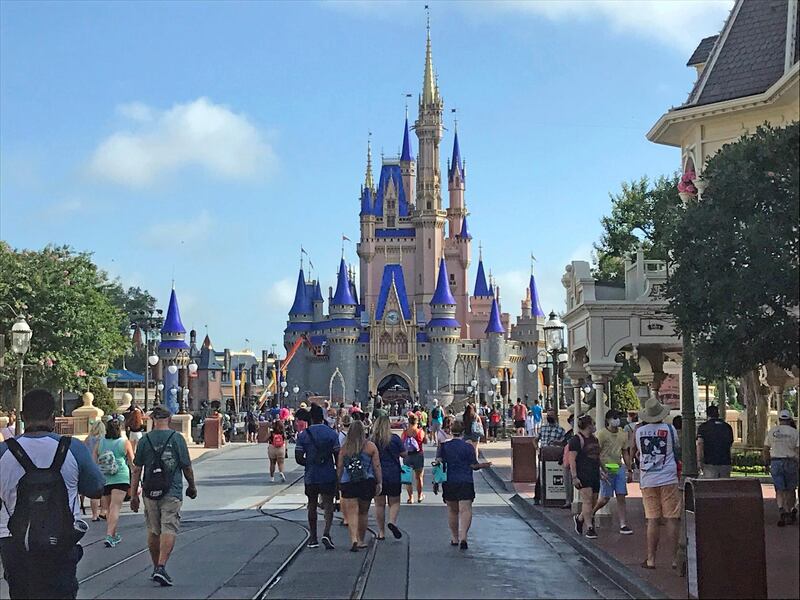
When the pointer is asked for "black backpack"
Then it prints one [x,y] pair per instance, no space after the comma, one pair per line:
[157,478]
[436,413]
[355,468]
[43,520]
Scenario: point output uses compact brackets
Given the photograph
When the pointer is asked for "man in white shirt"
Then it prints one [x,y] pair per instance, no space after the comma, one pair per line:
[656,442]
[50,573]
[780,453]
[9,432]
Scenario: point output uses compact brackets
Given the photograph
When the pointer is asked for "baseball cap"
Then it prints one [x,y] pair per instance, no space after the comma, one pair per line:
[160,412]
[785,414]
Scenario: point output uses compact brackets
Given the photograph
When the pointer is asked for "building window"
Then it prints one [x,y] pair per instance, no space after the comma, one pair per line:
[390,222]
[213,376]
[420,278]
[452,279]
[429,243]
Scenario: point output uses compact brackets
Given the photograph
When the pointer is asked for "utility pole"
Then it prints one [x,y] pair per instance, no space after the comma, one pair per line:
[688,432]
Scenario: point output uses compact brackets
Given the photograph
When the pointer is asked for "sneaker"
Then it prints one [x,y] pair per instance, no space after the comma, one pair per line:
[272,479]
[109,541]
[625,530]
[578,525]
[328,543]
[463,545]
[591,533]
[160,575]
[117,539]
[283,477]
[153,574]
[782,520]
[312,544]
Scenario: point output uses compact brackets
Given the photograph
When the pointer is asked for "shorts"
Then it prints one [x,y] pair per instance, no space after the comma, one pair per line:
[325,489]
[122,487]
[361,490]
[416,461]
[435,426]
[391,489]
[519,423]
[252,429]
[662,501]
[455,492]
[163,515]
[784,473]
[617,485]
[274,453]
[590,480]
[135,436]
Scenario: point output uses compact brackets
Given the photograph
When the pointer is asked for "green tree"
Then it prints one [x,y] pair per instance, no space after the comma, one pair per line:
[129,301]
[67,303]
[623,394]
[643,212]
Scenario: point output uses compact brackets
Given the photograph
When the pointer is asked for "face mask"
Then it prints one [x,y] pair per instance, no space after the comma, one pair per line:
[613,422]
[551,420]
[592,429]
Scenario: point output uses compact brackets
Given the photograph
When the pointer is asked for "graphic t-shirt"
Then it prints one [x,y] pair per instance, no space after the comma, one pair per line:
[656,444]
[459,457]
[717,438]
[611,445]
[175,456]
[782,441]
[319,441]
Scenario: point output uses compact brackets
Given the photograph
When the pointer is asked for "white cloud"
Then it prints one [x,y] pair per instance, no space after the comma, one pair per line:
[199,133]
[190,231]
[680,24]
[280,295]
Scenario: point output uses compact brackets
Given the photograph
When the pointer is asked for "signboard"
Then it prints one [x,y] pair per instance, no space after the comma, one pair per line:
[670,392]
[554,481]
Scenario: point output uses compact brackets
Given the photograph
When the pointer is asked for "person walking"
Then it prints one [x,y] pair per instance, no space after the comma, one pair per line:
[276,450]
[114,455]
[630,431]
[613,468]
[781,454]
[569,490]
[251,426]
[520,413]
[358,469]
[390,449]
[9,431]
[97,431]
[32,566]
[134,424]
[160,464]
[413,441]
[473,428]
[437,418]
[714,441]
[584,465]
[656,444]
[316,449]
[537,416]
[459,459]
[494,423]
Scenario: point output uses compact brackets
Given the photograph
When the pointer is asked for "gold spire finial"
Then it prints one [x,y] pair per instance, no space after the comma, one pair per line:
[429,83]
[368,176]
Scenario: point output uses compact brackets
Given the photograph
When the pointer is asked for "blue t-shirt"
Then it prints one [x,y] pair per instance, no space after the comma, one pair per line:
[390,459]
[315,441]
[459,456]
[537,413]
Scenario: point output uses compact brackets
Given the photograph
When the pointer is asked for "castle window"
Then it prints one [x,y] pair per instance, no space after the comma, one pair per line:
[452,278]
[213,376]
[429,243]
[420,278]
[390,222]
[429,205]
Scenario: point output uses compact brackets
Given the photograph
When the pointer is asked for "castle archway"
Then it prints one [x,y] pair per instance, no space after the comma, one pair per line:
[394,388]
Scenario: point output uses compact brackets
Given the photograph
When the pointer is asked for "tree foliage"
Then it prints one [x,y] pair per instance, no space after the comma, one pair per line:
[623,394]
[735,285]
[129,301]
[643,212]
[67,302]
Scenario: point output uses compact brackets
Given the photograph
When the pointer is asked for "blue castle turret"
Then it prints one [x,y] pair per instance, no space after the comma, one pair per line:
[173,344]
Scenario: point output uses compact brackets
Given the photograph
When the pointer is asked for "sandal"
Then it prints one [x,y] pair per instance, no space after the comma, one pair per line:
[452,543]
[420,498]
[646,565]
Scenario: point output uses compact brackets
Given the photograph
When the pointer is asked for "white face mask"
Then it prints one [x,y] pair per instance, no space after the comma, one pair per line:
[613,422]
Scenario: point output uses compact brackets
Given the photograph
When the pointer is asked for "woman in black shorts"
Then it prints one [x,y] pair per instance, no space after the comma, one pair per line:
[584,464]
[390,448]
[459,459]
[359,471]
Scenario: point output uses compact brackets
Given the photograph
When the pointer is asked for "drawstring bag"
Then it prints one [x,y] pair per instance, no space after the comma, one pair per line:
[405,474]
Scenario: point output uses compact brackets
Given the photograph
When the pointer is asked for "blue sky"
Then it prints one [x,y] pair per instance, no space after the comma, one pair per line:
[207,141]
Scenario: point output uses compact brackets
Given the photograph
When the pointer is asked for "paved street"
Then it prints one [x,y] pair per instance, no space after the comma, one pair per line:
[229,548]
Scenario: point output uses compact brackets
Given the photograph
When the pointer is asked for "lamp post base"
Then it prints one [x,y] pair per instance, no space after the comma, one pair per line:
[182,423]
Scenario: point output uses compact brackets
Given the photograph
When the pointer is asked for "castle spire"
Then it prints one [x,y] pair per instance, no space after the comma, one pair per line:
[368,181]
[302,302]
[481,288]
[406,152]
[172,322]
[456,165]
[343,295]
[429,87]
[443,295]
[536,307]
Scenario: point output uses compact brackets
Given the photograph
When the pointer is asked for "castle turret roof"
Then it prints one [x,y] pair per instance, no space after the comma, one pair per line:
[464,229]
[317,297]
[302,301]
[172,322]
[443,295]
[366,201]
[405,155]
[482,290]
[536,307]
[343,295]
[455,164]
[495,325]
[393,274]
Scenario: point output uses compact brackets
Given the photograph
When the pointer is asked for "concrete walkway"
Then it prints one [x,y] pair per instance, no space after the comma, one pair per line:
[782,544]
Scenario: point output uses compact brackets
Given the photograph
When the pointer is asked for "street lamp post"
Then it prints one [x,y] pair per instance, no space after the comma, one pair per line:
[554,341]
[295,389]
[20,344]
[285,394]
[149,322]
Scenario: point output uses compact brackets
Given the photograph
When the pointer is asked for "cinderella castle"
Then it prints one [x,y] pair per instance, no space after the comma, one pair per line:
[411,329]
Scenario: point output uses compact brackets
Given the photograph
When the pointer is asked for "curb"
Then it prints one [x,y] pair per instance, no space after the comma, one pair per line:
[617,572]
[215,452]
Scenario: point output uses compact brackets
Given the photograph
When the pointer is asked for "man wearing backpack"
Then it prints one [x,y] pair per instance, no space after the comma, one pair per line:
[163,456]
[42,464]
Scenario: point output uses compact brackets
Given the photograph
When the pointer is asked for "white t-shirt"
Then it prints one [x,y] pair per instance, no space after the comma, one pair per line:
[80,473]
[656,444]
[782,441]
[8,432]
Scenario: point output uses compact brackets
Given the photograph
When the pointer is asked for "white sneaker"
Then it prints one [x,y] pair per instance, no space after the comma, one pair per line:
[272,479]
[283,477]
